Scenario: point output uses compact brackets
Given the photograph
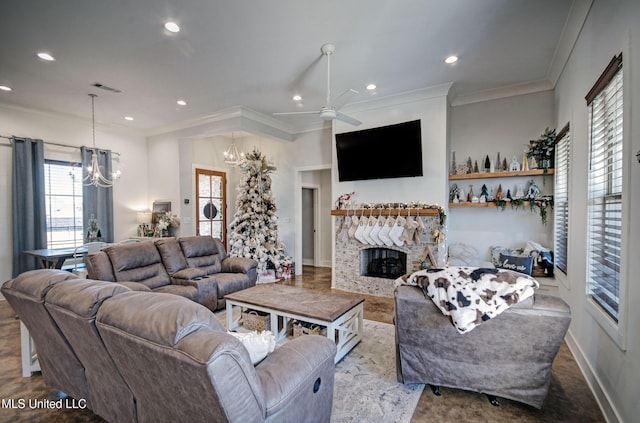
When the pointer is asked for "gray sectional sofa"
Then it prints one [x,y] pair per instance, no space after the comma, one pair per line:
[151,357]
[195,267]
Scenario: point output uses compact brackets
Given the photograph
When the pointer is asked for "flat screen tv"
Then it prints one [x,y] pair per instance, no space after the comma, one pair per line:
[393,151]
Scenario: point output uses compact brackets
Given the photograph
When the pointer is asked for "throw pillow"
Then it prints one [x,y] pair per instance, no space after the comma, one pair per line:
[259,345]
[516,263]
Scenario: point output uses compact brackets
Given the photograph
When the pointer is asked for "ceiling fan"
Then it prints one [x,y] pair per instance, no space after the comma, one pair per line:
[330,111]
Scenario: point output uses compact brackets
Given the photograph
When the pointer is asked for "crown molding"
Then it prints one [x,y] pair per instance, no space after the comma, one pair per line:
[236,118]
[406,97]
[503,92]
[572,28]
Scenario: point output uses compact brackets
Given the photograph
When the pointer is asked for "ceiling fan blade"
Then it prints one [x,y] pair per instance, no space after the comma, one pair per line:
[347,119]
[315,112]
[344,98]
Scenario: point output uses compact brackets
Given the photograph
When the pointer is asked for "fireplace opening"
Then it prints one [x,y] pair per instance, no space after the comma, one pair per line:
[382,263]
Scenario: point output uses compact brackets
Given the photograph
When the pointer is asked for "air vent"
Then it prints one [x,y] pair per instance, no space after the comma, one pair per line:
[105,87]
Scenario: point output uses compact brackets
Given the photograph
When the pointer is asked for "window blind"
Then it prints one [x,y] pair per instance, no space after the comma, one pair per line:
[63,199]
[561,199]
[605,195]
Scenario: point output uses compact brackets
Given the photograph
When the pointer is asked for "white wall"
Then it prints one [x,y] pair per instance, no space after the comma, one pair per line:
[129,194]
[485,128]
[430,107]
[611,367]
[173,157]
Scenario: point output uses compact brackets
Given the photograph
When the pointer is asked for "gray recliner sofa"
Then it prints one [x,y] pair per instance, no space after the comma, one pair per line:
[195,267]
[508,356]
[161,357]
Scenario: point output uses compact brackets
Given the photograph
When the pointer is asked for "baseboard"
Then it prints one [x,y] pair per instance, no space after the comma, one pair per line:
[322,263]
[606,406]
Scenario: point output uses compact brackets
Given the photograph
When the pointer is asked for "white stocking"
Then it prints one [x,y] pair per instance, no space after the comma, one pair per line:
[396,232]
[385,230]
[362,225]
[377,225]
[367,231]
[354,226]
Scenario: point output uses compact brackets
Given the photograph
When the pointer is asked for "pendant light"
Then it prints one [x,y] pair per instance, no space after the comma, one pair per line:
[231,155]
[94,174]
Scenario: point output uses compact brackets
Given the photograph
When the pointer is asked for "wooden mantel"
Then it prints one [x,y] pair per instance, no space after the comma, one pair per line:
[386,212]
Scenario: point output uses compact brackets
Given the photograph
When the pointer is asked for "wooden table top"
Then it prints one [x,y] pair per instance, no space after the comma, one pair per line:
[327,306]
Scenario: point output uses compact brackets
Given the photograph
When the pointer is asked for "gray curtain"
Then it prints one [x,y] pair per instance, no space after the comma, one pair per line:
[28,202]
[96,200]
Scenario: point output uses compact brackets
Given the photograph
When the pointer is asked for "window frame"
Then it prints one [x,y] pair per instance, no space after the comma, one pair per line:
[615,329]
[76,197]
[562,170]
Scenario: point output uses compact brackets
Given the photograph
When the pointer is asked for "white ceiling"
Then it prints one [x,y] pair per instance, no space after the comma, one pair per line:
[257,54]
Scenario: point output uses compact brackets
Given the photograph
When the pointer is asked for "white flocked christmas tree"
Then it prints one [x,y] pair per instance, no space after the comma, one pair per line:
[254,229]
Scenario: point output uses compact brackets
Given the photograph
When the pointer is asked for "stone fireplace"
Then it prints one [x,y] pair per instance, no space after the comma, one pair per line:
[370,269]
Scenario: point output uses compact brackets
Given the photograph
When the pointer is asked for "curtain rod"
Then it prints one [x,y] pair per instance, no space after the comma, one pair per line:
[54,143]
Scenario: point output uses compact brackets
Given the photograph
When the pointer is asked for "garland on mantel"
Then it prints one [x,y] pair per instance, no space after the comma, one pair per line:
[438,234]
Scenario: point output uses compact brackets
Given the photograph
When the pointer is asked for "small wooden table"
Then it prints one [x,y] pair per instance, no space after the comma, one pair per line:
[341,314]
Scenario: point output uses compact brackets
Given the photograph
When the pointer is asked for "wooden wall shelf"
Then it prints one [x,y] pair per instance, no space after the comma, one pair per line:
[385,212]
[487,204]
[535,172]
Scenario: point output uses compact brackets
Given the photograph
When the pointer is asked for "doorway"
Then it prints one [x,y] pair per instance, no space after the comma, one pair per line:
[309,225]
[211,204]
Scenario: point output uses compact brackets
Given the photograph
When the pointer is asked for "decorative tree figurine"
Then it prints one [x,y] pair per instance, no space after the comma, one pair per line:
[498,164]
[453,164]
[475,167]
[254,229]
[469,165]
[504,165]
[487,164]
[484,192]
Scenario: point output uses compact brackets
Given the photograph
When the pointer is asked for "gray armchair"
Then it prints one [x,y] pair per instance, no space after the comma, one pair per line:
[73,304]
[508,356]
[60,366]
[181,365]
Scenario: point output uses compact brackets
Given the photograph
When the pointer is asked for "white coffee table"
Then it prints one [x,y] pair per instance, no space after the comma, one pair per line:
[341,314]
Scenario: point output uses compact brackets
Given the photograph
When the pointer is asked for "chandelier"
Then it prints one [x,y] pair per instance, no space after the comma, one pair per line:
[94,174]
[231,155]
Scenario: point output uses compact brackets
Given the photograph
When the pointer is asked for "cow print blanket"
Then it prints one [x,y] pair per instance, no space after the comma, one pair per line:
[471,295]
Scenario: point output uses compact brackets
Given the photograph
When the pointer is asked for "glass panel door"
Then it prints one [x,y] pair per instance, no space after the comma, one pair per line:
[211,215]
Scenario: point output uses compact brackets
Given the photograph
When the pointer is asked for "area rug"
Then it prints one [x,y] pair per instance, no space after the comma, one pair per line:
[366,389]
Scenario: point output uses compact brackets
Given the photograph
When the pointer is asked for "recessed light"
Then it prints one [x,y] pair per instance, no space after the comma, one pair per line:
[172,27]
[46,56]
[297,97]
[451,60]
[181,102]
[5,88]
[371,87]
[128,118]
